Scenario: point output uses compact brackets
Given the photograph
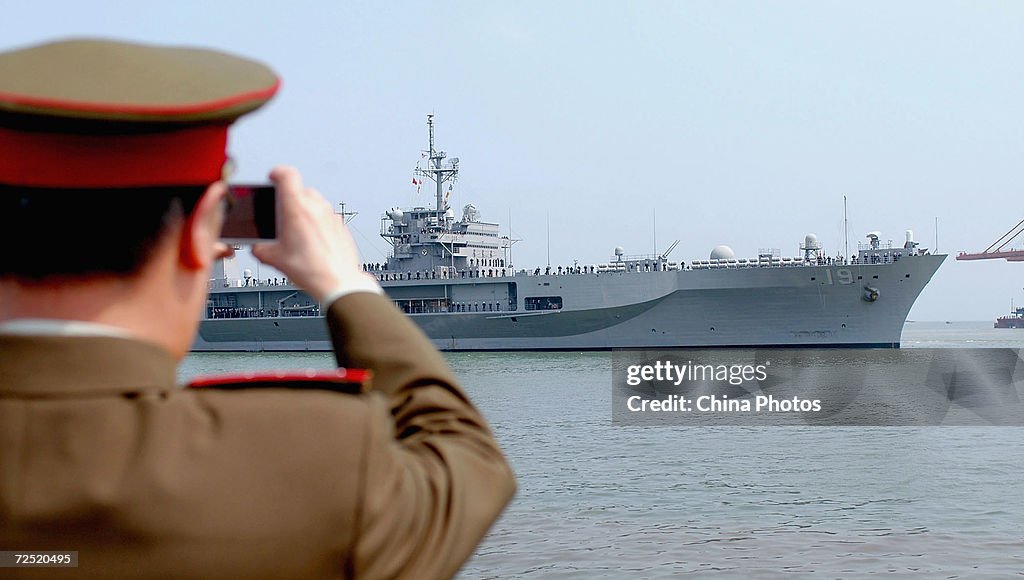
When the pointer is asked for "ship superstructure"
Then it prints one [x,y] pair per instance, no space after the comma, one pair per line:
[431,241]
[455,279]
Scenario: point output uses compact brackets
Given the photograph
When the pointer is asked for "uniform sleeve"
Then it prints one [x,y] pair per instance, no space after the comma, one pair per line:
[434,477]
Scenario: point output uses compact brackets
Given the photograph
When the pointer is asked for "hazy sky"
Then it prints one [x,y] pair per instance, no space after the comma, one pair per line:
[733,122]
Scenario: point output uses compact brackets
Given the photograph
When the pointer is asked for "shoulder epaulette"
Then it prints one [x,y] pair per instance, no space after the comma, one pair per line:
[353,381]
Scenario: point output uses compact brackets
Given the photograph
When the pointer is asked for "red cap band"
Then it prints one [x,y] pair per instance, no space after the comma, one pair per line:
[190,156]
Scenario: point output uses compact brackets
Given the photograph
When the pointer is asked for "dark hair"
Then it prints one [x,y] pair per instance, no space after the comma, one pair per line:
[53,233]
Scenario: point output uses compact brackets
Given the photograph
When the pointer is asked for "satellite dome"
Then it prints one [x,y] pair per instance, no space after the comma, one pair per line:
[247,273]
[723,253]
[811,242]
[619,251]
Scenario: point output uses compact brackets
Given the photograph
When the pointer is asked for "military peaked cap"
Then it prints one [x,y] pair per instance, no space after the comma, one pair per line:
[90,113]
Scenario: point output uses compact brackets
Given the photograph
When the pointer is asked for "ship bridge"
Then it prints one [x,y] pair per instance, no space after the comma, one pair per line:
[428,240]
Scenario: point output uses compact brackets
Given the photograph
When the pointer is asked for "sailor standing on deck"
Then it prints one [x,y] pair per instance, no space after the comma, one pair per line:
[111,203]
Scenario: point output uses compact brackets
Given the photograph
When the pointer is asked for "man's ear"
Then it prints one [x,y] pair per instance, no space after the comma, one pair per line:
[200,235]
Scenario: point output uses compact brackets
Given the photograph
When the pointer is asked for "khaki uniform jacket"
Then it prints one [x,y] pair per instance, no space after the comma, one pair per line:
[101,452]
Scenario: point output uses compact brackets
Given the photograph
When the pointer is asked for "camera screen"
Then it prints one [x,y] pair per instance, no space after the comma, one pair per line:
[252,215]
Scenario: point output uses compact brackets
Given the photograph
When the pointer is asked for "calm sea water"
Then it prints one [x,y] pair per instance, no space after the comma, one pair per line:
[597,500]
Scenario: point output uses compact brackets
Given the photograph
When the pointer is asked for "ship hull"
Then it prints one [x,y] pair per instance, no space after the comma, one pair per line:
[1009,322]
[820,306]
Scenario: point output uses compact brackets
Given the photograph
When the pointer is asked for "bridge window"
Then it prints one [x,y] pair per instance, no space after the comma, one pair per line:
[543,303]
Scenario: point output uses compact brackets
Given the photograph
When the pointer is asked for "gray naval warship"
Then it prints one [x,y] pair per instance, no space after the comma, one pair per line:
[455,279]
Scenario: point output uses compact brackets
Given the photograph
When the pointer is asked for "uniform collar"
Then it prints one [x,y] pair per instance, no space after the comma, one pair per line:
[42,366]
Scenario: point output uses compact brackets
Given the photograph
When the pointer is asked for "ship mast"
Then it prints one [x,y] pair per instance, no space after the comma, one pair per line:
[437,170]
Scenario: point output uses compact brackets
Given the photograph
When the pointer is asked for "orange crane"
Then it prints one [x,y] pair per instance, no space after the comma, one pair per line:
[998,248]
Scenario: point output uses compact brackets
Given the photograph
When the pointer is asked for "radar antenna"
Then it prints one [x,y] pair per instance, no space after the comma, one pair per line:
[437,169]
[347,216]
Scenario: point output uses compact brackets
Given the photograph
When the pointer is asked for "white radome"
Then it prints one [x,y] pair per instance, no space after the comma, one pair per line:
[723,253]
